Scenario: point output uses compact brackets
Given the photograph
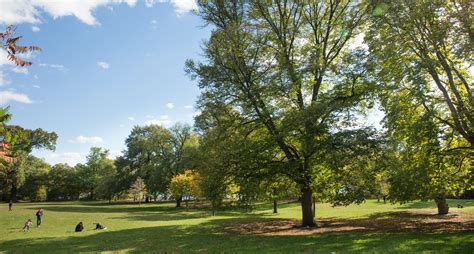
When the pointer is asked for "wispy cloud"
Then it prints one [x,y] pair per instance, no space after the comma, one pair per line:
[36,86]
[131,118]
[35,29]
[162,121]
[169,105]
[150,3]
[86,140]
[3,79]
[103,65]
[58,67]
[21,70]
[9,96]
[188,107]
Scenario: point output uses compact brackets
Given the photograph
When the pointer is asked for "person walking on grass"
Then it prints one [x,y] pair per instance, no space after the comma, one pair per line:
[39,217]
[27,226]
[10,204]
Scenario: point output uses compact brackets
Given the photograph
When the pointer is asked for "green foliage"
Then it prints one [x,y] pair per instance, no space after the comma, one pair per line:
[423,51]
[156,154]
[94,176]
[64,183]
[36,173]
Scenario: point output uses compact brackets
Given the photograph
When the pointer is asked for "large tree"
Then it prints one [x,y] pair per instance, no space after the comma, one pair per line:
[426,48]
[424,55]
[286,67]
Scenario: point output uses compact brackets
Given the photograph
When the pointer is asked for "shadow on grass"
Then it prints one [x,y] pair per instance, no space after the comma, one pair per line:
[210,237]
[430,204]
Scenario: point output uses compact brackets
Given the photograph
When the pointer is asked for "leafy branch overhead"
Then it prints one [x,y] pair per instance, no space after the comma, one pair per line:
[8,42]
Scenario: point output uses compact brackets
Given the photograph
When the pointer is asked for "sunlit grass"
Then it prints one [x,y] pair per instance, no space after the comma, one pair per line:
[163,228]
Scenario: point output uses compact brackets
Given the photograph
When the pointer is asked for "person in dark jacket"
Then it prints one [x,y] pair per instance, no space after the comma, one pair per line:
[79,227]
[39,217]
[98,226]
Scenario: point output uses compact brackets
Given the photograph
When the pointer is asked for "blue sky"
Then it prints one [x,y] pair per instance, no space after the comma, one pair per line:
[105,67]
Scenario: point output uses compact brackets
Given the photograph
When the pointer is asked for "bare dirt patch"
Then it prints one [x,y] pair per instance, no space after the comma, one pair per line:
[419,221]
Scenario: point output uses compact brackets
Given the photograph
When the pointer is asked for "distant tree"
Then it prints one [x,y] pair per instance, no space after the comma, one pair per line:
[138,190]
[18,143]
[96,172]
[64,183]
[184,185]
[278,187]
[156,154]
[383,186]
[35,185]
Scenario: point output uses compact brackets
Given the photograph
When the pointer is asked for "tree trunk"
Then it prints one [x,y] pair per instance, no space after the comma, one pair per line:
[13,196]
[443,207]
[307,207]
[275,210]
[314,208]
[178,202]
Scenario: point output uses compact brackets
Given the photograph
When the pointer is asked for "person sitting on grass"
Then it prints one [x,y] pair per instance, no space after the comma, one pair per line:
[28,224]
[99,227]
[79,227]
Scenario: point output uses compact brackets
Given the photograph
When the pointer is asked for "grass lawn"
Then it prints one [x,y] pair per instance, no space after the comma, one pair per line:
[370,227]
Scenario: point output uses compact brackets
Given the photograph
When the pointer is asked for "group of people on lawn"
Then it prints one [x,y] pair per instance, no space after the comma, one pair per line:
[39,220]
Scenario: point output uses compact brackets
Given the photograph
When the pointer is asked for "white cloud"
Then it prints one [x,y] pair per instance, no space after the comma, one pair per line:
[29,11]
[58,67]
[184,6]
[169,105]
[14,12]
[150,3]
[35,29]
[35,76]
[3,79]
[21,70]
[131,118]
[86,140]
[188,107]
[69,158]
[36,86]
[113,154]
[162,121]
[8,96]
[103,65]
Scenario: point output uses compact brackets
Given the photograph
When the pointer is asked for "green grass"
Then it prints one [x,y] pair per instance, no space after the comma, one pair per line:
[162,228]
